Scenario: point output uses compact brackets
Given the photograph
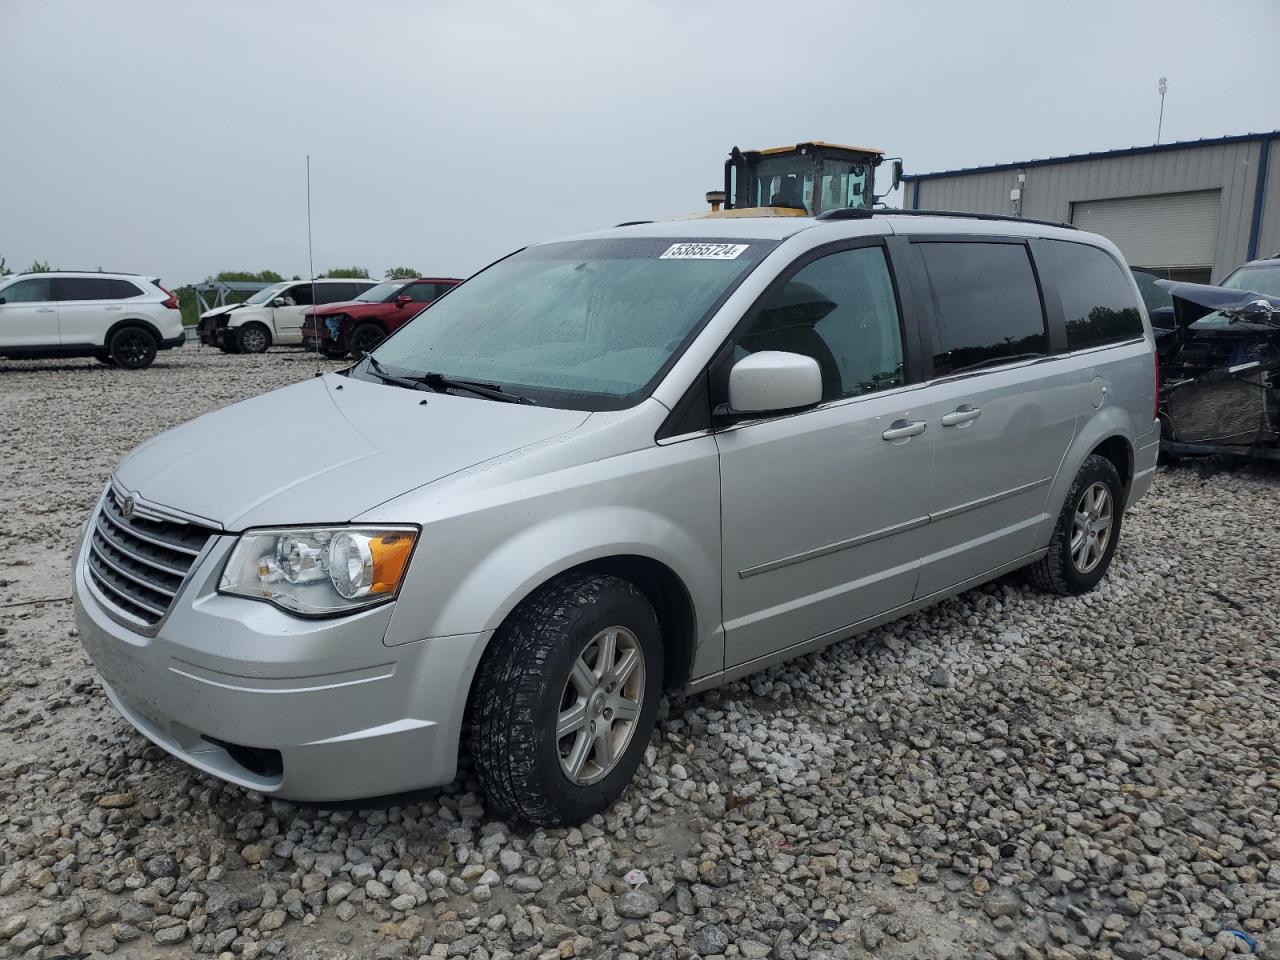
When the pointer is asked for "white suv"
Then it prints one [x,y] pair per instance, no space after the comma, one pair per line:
[120,318]
[274,315]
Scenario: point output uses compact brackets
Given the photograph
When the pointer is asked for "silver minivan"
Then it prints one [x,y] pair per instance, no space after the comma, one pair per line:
[651,458]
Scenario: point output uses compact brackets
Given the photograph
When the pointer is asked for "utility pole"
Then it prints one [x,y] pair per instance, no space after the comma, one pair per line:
[1160,88]
[311,263]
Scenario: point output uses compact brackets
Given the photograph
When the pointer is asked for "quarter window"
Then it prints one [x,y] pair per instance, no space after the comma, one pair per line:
[987,303]
[1097,298]
[841,311]
[32,290]
[123,290]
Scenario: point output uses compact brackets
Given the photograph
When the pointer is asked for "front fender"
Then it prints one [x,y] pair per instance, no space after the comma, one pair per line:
[534,555]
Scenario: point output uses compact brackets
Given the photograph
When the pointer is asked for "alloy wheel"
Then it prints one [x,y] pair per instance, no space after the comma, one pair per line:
[600,705]
[1091,527]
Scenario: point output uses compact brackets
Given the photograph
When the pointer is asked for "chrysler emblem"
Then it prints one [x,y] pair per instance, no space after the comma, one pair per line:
[126,508]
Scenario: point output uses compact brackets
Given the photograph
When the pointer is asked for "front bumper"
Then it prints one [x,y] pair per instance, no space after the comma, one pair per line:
[309,710]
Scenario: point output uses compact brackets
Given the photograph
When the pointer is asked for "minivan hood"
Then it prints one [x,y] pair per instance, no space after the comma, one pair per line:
[325,451]
[219,311]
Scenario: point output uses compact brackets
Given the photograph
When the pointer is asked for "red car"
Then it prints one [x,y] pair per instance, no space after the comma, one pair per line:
[357,326]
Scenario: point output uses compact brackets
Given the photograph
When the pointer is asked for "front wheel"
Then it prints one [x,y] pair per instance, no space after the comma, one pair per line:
[252,338]
[364,338]
[565,699]
[1088,529]
[132,348]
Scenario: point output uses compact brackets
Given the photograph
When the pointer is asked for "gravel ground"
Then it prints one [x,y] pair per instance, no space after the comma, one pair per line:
[1002,776]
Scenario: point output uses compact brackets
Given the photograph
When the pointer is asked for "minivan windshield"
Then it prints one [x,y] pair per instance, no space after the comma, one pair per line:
[381,292]
[584,324]
[262,296]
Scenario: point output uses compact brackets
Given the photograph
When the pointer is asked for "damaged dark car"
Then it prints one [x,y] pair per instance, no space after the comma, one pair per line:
[1219,351]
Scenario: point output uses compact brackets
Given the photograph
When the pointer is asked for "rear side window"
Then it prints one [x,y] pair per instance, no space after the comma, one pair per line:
[841,311]
[84,288]
[32,290]
[336,292]
[987,303]
[1097,298]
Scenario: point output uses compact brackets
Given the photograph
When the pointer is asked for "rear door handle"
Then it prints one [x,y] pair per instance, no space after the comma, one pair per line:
[113,308]
[965,414]
[46,309]
[901,429]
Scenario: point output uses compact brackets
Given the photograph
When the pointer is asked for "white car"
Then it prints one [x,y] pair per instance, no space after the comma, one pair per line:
[120,318]
[273,315]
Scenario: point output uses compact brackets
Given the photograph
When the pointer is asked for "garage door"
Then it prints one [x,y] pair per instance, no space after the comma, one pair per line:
[1170,230]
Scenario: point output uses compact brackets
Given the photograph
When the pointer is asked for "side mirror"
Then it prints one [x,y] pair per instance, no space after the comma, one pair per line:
[897,175]
[278,302]
[772,382]
[403,299]
[2,300]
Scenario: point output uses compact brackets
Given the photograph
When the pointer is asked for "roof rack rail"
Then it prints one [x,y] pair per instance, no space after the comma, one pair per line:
[862,213]
[978,216]
[631,223]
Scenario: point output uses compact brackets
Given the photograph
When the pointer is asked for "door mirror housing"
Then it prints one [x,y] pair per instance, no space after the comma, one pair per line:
[772,382]
[403,299]
[278,302]
[2,300]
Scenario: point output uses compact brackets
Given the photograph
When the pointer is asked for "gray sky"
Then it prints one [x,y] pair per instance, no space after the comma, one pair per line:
[169,137]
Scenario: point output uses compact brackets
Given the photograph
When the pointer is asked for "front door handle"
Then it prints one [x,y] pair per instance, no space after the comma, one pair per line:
[964,414]
[901,429]
[113,308]
[46,309]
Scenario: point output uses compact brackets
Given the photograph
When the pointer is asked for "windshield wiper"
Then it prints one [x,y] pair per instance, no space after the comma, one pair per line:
[440,383]
[412,383]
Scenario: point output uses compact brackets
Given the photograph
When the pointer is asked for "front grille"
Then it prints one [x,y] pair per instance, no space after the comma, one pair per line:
[140,563]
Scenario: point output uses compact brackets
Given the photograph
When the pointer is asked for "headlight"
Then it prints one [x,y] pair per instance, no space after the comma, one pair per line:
[320,571]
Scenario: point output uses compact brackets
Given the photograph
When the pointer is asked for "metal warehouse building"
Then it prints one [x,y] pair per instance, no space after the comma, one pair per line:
[1191,210]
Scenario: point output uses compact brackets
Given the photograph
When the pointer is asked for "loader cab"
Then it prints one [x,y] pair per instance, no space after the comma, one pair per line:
[808,178]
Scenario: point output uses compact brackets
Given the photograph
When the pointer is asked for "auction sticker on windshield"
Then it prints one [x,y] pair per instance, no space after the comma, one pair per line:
[704,251]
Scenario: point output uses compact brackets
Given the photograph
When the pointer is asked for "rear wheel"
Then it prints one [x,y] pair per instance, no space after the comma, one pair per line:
[565,699]
[1088,529]
[252,338]
[132,348]
[364,338]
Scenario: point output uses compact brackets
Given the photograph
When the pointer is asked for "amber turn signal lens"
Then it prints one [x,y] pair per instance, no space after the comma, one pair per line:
[390,556]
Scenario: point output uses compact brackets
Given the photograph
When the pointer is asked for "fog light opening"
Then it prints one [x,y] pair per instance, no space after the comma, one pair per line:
[259,761]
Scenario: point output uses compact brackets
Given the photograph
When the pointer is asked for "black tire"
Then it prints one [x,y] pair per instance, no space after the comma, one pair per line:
[252,338]
[1058,571]
[519,693]
[364,338]
[334,351]
[132,347]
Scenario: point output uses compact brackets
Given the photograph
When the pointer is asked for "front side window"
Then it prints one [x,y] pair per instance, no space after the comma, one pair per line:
[586,325]
[420,292]
[987,304]
[841,311]
[31,290]
[1097,299]
[298,295]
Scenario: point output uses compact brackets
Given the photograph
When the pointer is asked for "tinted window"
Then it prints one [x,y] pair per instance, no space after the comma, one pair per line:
[420,292]
[841,311]
[123,289]
[443,288]
[334,292]
[34,290]
[83,288]
[1097,297]
[987,302]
